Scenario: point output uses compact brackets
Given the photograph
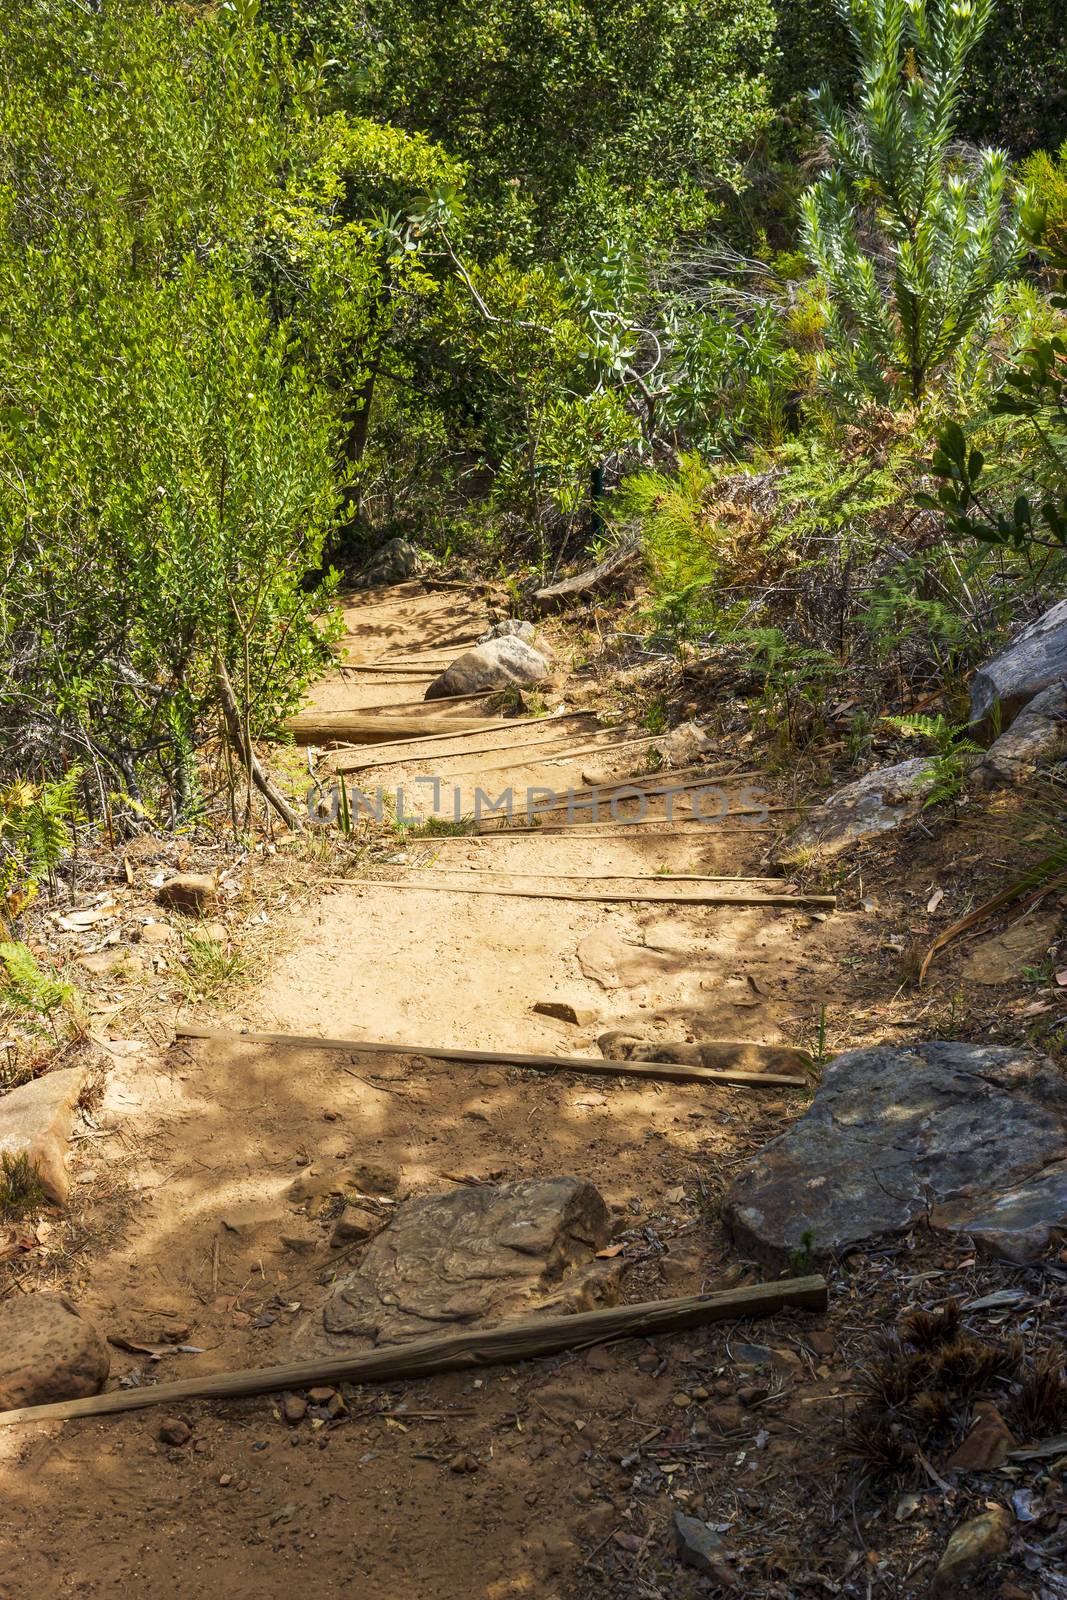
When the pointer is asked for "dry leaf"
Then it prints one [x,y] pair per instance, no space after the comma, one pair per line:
[611,1251]
[934,901]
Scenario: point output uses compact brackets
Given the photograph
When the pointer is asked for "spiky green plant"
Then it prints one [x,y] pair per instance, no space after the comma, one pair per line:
[914,241]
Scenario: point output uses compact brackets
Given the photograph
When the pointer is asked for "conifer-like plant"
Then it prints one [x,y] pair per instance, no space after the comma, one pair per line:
[913,236]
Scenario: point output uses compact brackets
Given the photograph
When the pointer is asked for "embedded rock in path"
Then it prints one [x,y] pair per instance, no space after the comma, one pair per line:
[48,1351]
[1037,737]
[189,891]
[35,1122]
[495,665]
[471,1256]
[876,803]
[1033,661]
[969,1138]
[740,1054]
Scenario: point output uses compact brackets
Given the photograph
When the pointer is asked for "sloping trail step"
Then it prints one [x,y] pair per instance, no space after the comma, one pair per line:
[518,1339]
[824,902]
[664,1071]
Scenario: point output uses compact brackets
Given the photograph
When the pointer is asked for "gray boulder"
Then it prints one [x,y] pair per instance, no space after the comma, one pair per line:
[971,1139]
[48,1351]
[1036,738]
[470,1256]
[1036,658]
[396,560]
[495,665]
[877,803]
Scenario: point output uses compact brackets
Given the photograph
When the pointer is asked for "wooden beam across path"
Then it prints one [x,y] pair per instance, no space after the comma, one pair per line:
[457,730]
[822,902]
[377,727]
[594,1066]
[518,1339]
[588,877]
[531,741]
[555,830]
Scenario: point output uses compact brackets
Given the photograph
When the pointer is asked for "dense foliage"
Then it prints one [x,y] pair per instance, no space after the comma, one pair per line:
[282,280]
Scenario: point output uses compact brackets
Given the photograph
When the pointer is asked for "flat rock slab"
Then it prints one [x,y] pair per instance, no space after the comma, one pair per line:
[1036,658]
[35,1121]
[969,1137]
[48,1351]
[498,664]
[472,1255]
[876,803]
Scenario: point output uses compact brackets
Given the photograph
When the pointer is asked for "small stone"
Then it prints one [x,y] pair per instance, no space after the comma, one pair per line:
[648,1361]
[752,1394]
[353,1225]
[682,1400]
[752,1355]
[563,1011]
[175,1332]
[972,1546]
[189,891]
[225,1479]
[158,933]
[48,1352]
[462,1463]
[321,1396]
[725,1416]
[698,1392]
[298,1243]
[330,1116]
[699,1547]
[493,1079]
[294,1409]
[173,1431]
[987,1444]
[822,1342]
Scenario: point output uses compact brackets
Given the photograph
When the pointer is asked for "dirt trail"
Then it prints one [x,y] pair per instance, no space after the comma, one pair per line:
[201,1136]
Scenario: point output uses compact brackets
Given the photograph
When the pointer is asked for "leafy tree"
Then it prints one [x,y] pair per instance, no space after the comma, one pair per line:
[913,242]
[593,118]
[199,261]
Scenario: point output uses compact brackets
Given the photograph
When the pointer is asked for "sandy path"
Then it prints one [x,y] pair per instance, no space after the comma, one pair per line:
[213,1134]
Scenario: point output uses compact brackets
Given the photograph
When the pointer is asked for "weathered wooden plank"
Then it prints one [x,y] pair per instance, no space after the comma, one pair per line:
[519,1339]
[738,1050]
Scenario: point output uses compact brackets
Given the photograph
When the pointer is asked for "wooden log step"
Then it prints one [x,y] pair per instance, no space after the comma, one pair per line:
[364,727]
[518,1339]
[588,877]
[823,902]
[344,763]
[738,1051]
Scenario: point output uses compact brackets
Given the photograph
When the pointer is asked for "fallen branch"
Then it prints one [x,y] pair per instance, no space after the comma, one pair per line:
[595,1066]
[243,745]
[517,1340]
[1048,873]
